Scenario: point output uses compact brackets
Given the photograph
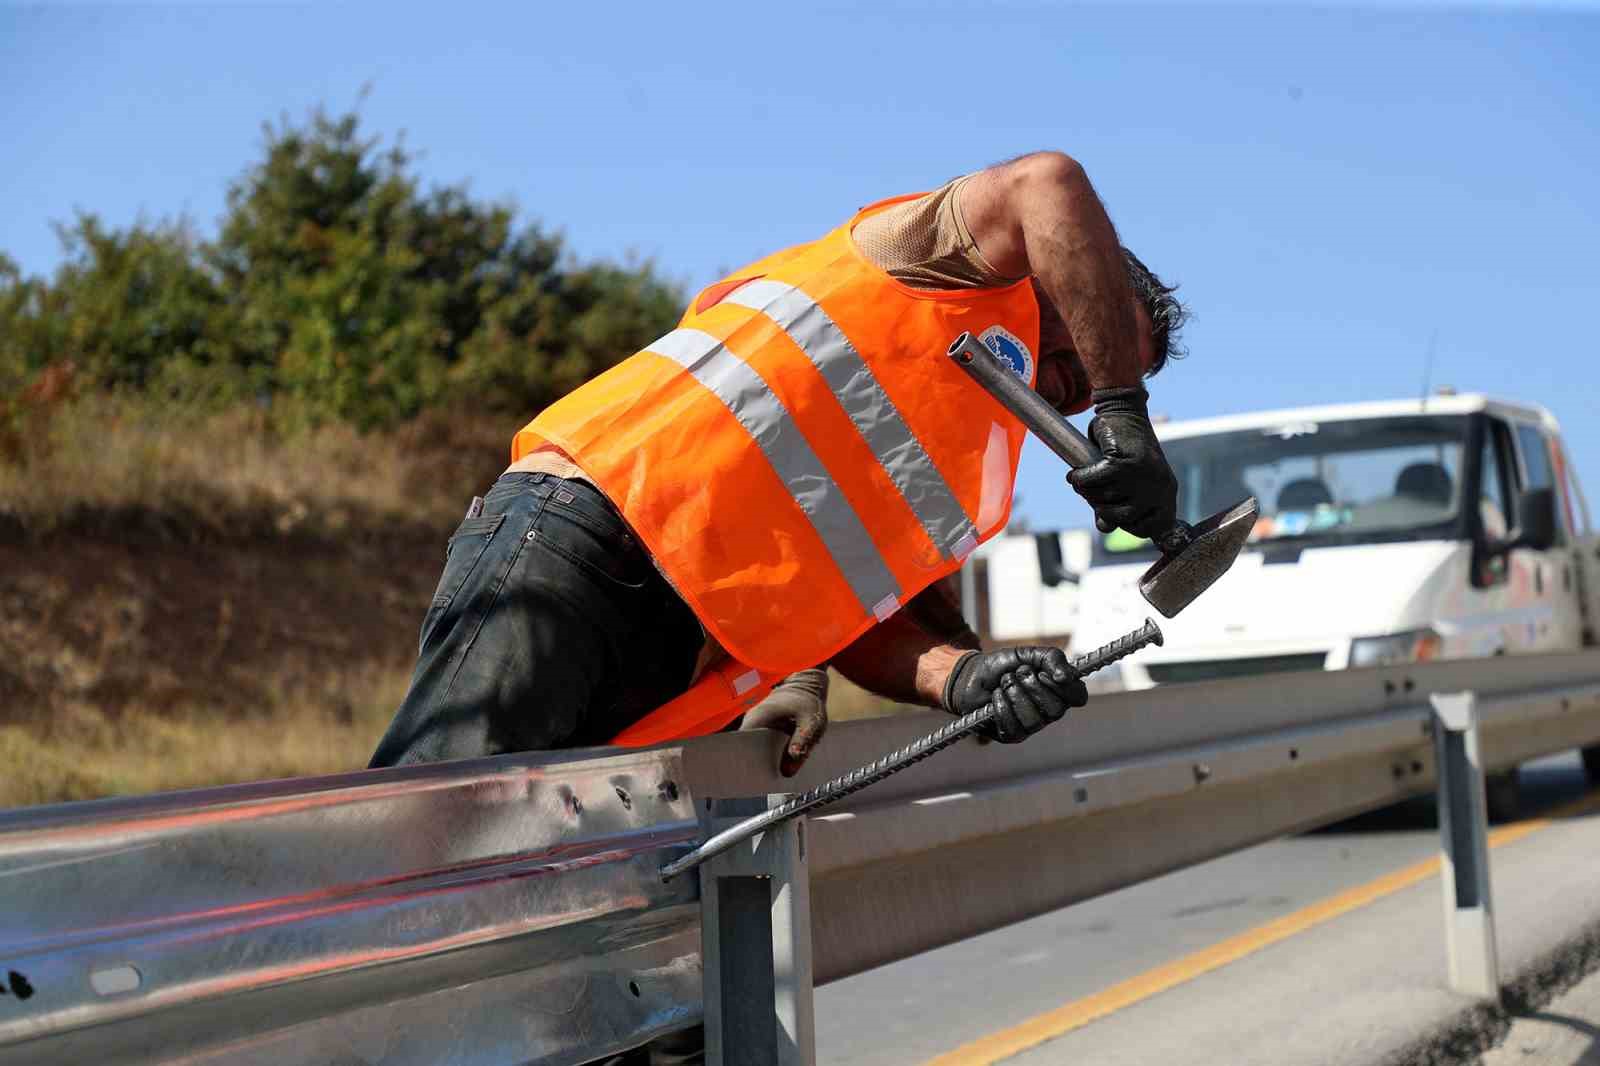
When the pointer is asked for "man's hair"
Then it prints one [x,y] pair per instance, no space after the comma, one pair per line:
[1166,311]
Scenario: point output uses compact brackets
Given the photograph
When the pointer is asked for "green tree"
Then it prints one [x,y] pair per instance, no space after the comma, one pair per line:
[121,304]
[339,289]
[18,298]
[316,260]
[366,299]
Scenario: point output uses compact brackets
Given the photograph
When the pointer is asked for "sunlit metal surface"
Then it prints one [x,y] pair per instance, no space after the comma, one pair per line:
[496,911]
[509,910]
[1132,786]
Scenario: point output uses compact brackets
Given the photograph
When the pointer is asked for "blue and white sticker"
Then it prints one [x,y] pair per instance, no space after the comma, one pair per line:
[1009,350]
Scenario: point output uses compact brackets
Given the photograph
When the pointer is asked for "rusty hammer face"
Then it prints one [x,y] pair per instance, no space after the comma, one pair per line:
[1192,557]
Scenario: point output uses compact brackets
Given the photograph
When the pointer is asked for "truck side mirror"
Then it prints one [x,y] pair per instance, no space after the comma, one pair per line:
[1052,571]
[1536,520]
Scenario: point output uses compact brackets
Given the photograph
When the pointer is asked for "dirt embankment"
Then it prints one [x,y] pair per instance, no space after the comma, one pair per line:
[138,663]
[191,601]
[194,596]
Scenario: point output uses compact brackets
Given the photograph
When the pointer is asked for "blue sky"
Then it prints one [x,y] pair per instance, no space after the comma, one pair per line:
[1332,186]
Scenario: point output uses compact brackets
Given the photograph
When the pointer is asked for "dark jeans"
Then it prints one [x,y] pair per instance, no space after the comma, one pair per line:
[550,628]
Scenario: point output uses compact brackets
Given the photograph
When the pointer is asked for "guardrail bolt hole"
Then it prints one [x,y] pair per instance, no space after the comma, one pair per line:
[669,791]
[1294,753]
[633,986]
[1416,766]
[1410,684]
[627,800]
[1080,795]
[1201,772]
[19,985]
[1399,772]
[1388,688]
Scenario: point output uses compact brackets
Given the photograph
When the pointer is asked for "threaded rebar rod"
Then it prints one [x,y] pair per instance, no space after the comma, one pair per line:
[895,761]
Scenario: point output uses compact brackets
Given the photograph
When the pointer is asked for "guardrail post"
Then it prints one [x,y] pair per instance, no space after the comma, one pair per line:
[1463,832]
[755,921]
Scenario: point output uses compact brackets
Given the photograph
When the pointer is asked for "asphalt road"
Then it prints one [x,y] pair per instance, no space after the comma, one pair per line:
[913,1010]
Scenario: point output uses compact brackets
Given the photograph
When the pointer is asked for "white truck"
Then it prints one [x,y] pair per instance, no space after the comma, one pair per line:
[1390,532]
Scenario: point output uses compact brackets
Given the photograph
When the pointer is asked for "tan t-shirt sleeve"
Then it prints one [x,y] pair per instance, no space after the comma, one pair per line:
[926,244]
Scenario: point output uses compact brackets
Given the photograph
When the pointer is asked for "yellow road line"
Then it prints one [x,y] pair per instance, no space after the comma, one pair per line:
[1036,1030]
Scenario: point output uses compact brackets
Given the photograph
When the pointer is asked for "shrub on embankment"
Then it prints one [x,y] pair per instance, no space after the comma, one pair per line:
[228,462]
[336,289]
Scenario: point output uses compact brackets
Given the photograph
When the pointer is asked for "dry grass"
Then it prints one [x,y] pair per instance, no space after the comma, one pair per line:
[320,725]
[268,628]
[227,649]
[327,725]
[96,460]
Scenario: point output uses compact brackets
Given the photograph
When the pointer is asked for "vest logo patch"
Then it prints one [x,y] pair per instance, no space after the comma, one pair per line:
[1009,350]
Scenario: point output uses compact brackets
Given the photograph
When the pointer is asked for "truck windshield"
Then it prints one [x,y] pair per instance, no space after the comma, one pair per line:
[1324,482]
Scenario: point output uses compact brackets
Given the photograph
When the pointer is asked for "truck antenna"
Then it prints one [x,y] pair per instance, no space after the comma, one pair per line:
[1427,365]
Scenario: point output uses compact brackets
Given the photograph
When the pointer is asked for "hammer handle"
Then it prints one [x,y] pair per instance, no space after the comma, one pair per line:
[1044,421]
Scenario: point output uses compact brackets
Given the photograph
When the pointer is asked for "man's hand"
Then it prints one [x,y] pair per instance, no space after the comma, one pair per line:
[797,706]
[1029,687]
[1132,487]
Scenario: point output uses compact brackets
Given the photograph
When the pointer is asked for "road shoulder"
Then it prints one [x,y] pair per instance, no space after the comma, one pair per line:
[1563,1032]
[1369,986]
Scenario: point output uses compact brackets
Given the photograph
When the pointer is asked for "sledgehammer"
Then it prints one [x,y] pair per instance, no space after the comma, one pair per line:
[1192,557]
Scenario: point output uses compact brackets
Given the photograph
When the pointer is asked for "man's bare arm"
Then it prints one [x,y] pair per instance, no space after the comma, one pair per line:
[1028,687]
[895,658]
[1039,215]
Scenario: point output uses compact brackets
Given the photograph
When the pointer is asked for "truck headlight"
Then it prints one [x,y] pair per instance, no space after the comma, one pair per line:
[1412,646]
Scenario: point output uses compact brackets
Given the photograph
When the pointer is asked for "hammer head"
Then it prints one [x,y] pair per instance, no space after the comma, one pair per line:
[1175,580]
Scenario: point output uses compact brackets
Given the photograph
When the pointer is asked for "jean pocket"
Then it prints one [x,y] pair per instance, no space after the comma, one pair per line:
[461,554]
[613,559]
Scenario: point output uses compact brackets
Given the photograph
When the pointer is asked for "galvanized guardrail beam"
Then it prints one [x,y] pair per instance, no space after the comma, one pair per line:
[507,910]
[1136,785]
[460,913]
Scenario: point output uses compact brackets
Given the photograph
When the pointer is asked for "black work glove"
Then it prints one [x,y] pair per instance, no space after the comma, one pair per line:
[1132,487]
[797,706]
[1029,687]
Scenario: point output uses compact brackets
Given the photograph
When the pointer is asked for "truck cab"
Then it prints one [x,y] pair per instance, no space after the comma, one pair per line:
[1390,532]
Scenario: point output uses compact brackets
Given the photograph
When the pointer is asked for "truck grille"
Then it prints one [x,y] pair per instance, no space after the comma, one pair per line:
[1217,669]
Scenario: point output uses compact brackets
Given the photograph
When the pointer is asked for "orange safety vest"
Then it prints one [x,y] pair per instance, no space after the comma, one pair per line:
[800,457]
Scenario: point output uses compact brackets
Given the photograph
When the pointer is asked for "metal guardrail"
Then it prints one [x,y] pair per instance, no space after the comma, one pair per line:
[508,910]
[450,913]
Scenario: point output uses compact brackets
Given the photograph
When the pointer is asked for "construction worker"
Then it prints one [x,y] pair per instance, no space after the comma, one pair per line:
[765,488]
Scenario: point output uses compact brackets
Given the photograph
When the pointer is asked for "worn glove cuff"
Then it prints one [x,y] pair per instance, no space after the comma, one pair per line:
[951,683]
[1123,399]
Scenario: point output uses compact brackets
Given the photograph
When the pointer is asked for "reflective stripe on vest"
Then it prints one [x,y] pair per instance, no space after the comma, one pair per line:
[798,457]
[869,408]
[746,394]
